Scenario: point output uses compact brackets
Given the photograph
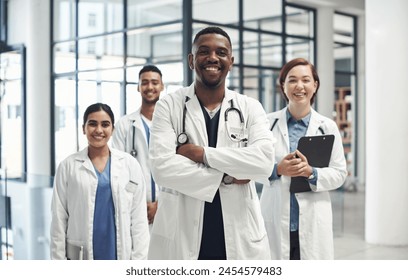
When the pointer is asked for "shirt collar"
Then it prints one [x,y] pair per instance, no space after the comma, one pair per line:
[305,121]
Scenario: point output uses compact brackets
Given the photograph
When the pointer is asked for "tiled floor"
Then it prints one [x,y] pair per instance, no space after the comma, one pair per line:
[348,220]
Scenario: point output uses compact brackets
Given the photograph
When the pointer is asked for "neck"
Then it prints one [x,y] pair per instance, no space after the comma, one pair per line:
[98,152]
[299,112]
[147,110]
[210,97]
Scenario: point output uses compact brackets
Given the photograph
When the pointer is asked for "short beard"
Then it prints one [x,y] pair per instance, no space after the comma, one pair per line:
[149,101]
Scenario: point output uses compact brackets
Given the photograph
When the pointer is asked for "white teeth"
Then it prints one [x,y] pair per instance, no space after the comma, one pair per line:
[211,68]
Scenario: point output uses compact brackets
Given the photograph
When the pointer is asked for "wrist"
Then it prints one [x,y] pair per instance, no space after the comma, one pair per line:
[278,171]
[313,174]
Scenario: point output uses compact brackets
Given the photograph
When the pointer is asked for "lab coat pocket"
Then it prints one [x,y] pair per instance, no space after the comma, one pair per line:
[165,221]
[257,231]
[75,252]
[130,189]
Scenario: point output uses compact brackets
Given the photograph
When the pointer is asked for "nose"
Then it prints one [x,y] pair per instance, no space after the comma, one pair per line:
[299,84]
[213,56]
[98,128]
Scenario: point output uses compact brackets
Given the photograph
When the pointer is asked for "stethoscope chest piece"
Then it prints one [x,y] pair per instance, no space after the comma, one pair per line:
[182,138]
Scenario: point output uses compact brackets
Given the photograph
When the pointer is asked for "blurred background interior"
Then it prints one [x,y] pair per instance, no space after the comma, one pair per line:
[59,56]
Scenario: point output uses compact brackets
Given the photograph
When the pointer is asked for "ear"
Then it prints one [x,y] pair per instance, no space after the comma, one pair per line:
[232,63]
[190,61]
[83,129]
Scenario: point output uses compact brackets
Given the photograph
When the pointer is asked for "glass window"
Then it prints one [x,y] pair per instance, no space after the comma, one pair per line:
[153,34]
[133,98]
[232,33]
[269,17]
[271,96]
[90,92]
[262,49]
[172,75]
[147,12]
[64,57]
[345,84]
[251,83]
[155,45]
[296,47]
[344,59]
[107,52]
[96,17]
[344,42]
[299,21]
[343,29]
[64,19]
[12,141]
[259,84]
[64,118]
[221,11]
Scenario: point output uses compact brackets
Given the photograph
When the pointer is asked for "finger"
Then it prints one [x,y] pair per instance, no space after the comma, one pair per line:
[289,156]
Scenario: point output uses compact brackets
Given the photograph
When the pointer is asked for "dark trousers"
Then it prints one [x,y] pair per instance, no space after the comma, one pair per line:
[294,245]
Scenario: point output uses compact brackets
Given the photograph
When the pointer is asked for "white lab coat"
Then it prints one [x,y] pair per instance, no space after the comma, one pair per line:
[122,140]
[73,205]
[315,212]
[187,185]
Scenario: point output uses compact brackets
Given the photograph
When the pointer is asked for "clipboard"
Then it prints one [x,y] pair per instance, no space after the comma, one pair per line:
[317,150]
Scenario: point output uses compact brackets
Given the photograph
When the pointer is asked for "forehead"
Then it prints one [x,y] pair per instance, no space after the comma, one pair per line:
[212,40]
[99,116]
[300,70]
[150,76]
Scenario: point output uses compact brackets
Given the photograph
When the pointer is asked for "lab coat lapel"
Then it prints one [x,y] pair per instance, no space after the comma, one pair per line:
[139,130]
[115,171]
[282,125]
[86,161]
[197,118]
[221,141]
[314,124]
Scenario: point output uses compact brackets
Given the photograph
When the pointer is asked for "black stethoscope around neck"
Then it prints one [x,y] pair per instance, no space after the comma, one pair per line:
[182,138]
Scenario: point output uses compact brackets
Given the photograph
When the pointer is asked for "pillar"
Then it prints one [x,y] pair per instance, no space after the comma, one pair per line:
[386,128]
[38,89]
[325,61]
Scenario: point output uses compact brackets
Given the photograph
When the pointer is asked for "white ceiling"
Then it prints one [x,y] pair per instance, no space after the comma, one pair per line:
[356,7]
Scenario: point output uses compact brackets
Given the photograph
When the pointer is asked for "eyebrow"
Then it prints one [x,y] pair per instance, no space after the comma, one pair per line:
[153,79]
[95,121]
[305,76]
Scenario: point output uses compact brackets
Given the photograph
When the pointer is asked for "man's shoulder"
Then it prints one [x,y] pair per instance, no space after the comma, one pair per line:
[130,117]
[176,96]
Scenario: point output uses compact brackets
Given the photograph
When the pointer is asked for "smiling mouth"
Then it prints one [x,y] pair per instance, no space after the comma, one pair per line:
[150,93]
[212,68]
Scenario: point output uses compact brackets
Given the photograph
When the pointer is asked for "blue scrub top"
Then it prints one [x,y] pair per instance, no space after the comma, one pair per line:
[104,228]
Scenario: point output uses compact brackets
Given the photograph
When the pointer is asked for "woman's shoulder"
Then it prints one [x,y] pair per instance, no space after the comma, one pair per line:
[325,121]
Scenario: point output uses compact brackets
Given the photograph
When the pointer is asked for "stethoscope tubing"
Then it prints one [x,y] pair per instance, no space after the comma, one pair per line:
[227,111]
